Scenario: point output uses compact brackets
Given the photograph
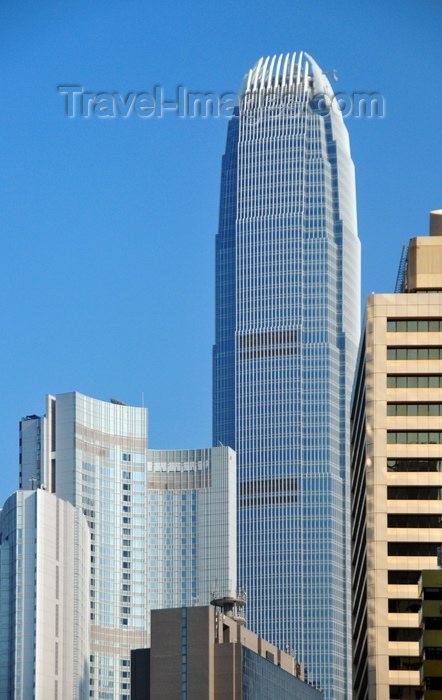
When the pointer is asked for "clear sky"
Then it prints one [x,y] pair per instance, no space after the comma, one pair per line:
[108,224]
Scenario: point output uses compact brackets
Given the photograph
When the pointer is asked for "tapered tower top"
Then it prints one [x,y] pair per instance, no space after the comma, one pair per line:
[297,70]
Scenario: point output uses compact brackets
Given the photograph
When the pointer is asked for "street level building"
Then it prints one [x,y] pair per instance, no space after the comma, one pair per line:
[44,598]
[201,652]
[287,333]
[162,522]
[397,472]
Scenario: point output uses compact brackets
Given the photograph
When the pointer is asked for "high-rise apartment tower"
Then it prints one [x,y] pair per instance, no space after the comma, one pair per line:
[287,332]
[44,598]
[162,522]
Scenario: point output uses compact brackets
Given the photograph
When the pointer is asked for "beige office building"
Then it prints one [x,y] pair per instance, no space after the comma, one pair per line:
[202,653]
[397,472]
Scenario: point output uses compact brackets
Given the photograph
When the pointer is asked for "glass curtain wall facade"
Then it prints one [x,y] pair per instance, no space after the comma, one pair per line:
[287,331]
[162,523]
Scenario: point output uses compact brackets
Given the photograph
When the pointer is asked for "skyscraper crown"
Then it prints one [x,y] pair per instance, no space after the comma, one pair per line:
[296,71]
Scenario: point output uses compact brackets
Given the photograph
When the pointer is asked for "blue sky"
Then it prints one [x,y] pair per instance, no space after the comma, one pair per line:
[107,225]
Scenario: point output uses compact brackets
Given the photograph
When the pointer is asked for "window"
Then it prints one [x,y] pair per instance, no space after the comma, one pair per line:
[433,653]
[403,577]
[404,634]
[432,593]
[401,605]
[416,353]
[414,493]
[414,409]
[423,520]
[415,437]
[414,465]
[404,663]
[410,325]
[406,692]
[415,381]
[412,549]
[433,623]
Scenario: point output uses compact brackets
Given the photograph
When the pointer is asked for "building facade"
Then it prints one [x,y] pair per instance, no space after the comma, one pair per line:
[397,472]
[44,598]
[430,616]
[201,652]
[162,523]
[287,332]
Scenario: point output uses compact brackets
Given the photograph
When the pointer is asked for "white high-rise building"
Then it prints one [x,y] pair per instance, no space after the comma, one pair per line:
[162,522]
[44,598]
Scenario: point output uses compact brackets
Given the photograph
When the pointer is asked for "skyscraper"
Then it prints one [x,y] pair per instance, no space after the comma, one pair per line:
[162,522]
[287,331]
[397,474]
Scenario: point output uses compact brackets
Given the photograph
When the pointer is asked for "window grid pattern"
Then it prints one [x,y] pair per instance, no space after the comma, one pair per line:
[162,526]
[402,470]
[292,331]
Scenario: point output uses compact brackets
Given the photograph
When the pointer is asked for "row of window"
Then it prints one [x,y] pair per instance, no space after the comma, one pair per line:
[414,493]
[404,605]
[414,409]
[404,634]
[406,692]
[421,520]
[414,437]
[414,324]
[417,353]
[403,578]
[413,549]
[414,381]
[404,663]
[414,465]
